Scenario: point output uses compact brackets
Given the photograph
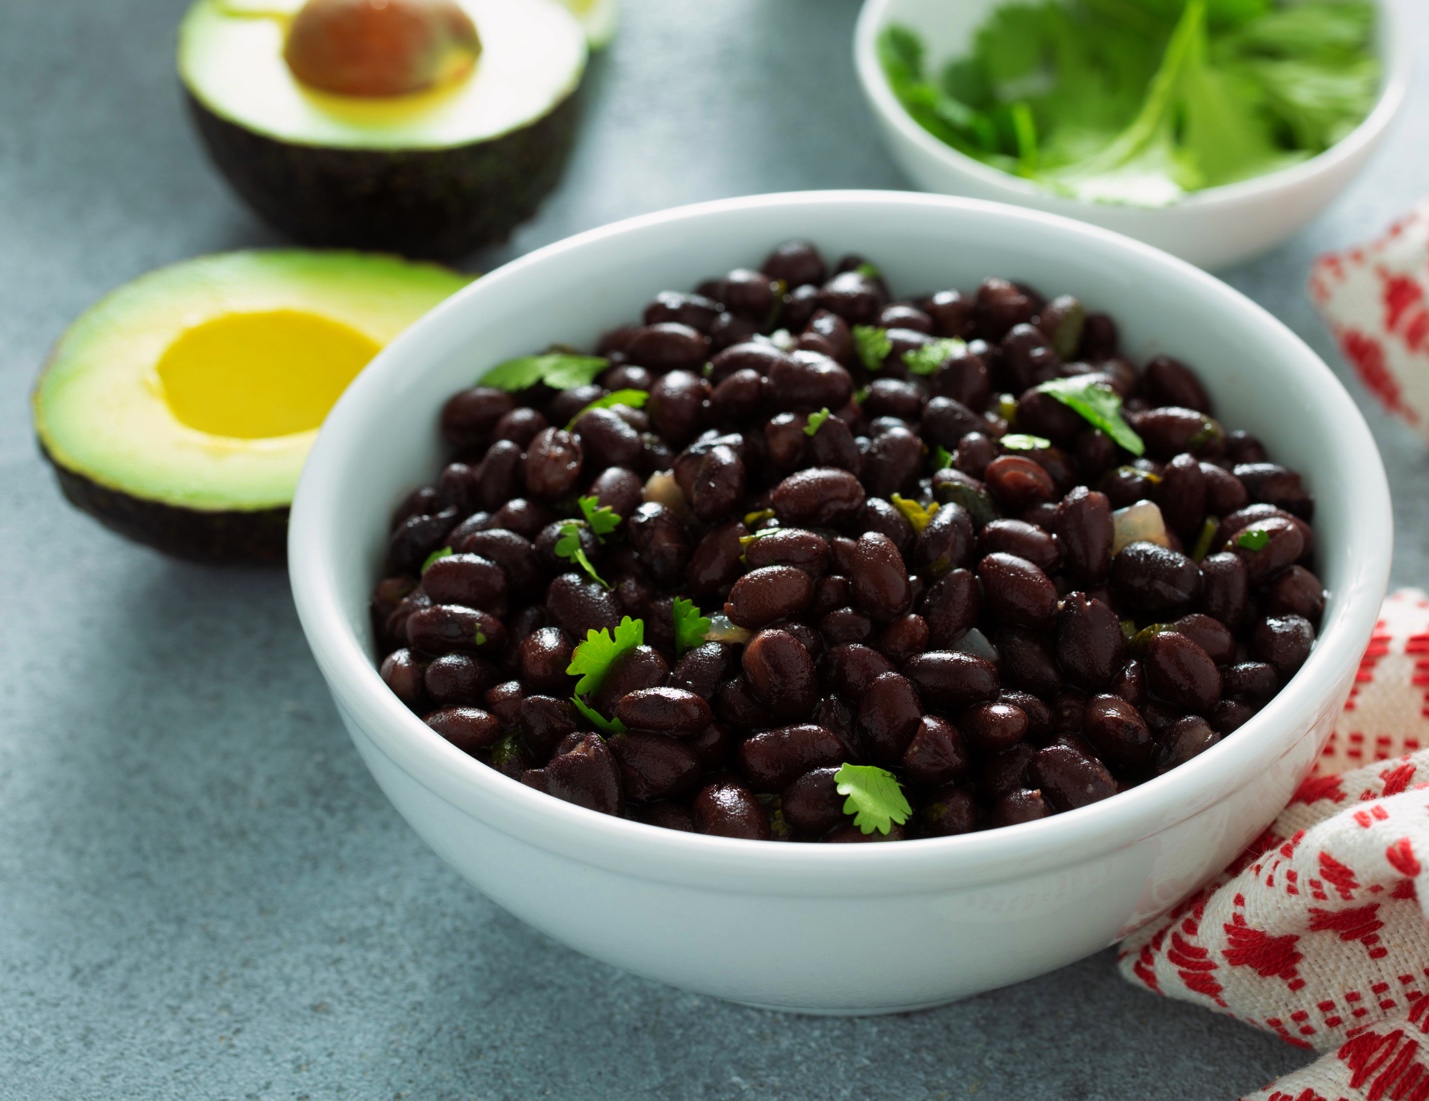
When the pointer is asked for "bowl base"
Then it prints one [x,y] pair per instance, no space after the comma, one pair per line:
[869,1011]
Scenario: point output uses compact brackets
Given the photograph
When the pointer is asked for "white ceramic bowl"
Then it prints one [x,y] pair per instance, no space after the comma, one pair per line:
[1213,228]
[835,928]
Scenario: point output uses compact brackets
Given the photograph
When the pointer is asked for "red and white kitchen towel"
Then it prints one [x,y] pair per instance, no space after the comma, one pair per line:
[1318,932]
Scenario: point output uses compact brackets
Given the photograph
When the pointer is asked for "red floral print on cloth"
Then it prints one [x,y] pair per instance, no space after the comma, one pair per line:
[1375,301]
[1317,933]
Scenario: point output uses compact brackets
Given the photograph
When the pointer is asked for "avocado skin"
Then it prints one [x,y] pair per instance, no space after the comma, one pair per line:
[431,203]
[258,537]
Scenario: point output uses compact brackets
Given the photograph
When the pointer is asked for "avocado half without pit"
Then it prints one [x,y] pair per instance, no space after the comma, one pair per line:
[179,409]
[425,127]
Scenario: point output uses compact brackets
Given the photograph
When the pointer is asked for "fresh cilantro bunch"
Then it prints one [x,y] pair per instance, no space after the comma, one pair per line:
[1144,101]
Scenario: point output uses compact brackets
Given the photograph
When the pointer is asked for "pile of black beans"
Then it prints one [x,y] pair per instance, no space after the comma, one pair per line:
[995,654]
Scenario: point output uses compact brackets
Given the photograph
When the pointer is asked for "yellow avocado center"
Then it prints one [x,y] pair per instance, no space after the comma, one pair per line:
[258,375]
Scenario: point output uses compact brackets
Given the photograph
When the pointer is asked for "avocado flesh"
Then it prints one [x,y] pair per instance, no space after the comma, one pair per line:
[180,408]
[435,173]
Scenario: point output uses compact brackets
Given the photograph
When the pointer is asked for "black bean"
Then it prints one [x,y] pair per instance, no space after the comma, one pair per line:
[1224,589]
[1283,642]
[808,381]
[781,673]
[1170,382]
[817,496]
[1028,661]
[845,625]
[764,595]
[1016,591]
[700,670]
[417,537]
[949,812]
[468,728]
[796,547]
[853,667]
[952,314]
[1180,671]
[795,263]
[999,306]
[812,804]
[729,810]
[578,605]
[880,578]
[1168,430]
[694,310]
[1181,496]
[1224,491]
[674,711]
[658,538]
[1210,634]
[854,296]
[1090,645]
[1271,484]
[1015,807]
[946,421]
[605,439]
[1154,579]
[936,755]
[833,444]
[469,416]
[902,638]
[676,405]
[736,705]
[467,579]
[952,679]
[542,658]
[654,766]
[1070,779]
[888,717]
[774,759]
[1027,541]
[457,679]
[544,721]
[402,672]
[670,816]
[1185,738]
[995,726]
[587,776]
[751,294]
[1267,547]
[891,463]
[1296,591]
[1018,482]
[452,628]
[669,345]
[1117,732]
[1230,715]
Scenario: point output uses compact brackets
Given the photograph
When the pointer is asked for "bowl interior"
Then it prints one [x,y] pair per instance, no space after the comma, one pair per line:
[381,440]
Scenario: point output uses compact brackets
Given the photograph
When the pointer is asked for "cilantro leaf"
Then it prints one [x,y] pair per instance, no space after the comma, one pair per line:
[593,658]
[873,345]
[874,797]
[636,399]
[927,359]
[568,546]
[690,625]
[942,458]
[918,515]
[597,720]
[1017,441]
[1098,404]
[870,271]
[1253,539]
[558,370]
[444,552]
[602,518]
[816,421]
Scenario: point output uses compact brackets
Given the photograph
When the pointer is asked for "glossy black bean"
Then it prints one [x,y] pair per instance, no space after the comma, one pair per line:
[452,628]
[1018,482]
[1210,634]
[715,564]
[774,759]
[1224,589]
[735,398]
[1254,681]
[1253,515]
[553,464]
[1267,547]
[999,306]
[781,673]
[415,538]
[1283,642]
[1016,591]
[891,463]
[1129,683]
[764,595]
[817,497]
[952,679]
[1230,715]
[693,310]
[950,811]
[852,667]
[1169,430]
[812,803]
[1070,779]
[1090,644]
[1117,732]
[658,538]
[902,638]
[952,314]
[669,345]
[1022,539]
[795,263]
[1272,484]
[654,766]
[833,445]
[605,440]
[1016,807]
[700,670]
[1181,496]
[618,489]
[544,721]
[1154,579]
[936,755]
[854,296]
[728,809]
[736,705]
[468,728]
[1180,671]
[1085,533]
[1296,591]
[402,672]
[639,668]
[1224,491]
[796,547]
[467,579]
[845,625]
[945,543]
[1185,738]
[469,416]
[542,658]
[952,607]
[808,381]
[946,421]
[833,334]
[456,680]
[1170,382]
[664,710]
[676,405]
[995,726]
[1028,661]
[888,717]
[751,294]
[587,776]
[880,578]
[578,605]
[718,485]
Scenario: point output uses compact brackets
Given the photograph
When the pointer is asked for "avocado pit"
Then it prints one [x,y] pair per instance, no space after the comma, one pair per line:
[378,48]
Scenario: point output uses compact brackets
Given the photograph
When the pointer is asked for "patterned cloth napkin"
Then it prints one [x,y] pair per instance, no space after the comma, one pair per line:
[1376,302]
[1317,932]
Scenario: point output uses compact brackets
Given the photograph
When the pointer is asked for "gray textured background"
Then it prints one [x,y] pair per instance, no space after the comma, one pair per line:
[202,893]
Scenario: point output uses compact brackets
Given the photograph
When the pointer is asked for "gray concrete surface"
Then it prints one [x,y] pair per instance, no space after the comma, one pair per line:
[202,893]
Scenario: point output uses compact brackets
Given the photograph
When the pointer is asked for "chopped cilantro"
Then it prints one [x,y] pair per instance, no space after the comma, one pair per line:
[597,720]
[942,458]
[1017,441]
[873,345]
[445,552]
[568,546]
[816,421]
[690,625]
[918,515]
[1098,404]
[602,518]
[558,370]
[927,359]
[1253,539]
[869,271]
[874,797]
[592,659]
[636,399]
[480,637]
[1203,539]
[861,394]
[754,519]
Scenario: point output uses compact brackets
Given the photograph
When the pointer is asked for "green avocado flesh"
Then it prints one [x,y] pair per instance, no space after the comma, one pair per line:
[179,409]
[433,173]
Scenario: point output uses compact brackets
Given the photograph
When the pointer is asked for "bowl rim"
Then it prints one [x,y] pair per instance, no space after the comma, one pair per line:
[914,866]
[1396,53]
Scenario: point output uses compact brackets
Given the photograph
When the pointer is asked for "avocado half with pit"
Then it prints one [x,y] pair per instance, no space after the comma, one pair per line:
[178,410]
[454,140]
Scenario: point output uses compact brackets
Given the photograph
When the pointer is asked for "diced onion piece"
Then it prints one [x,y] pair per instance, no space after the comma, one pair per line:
[1138,523]
[976,643]
[662,489]
[722,630]
[783,339]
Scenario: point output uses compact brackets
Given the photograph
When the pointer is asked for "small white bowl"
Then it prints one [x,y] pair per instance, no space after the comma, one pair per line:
[1213,228]
[835,928]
